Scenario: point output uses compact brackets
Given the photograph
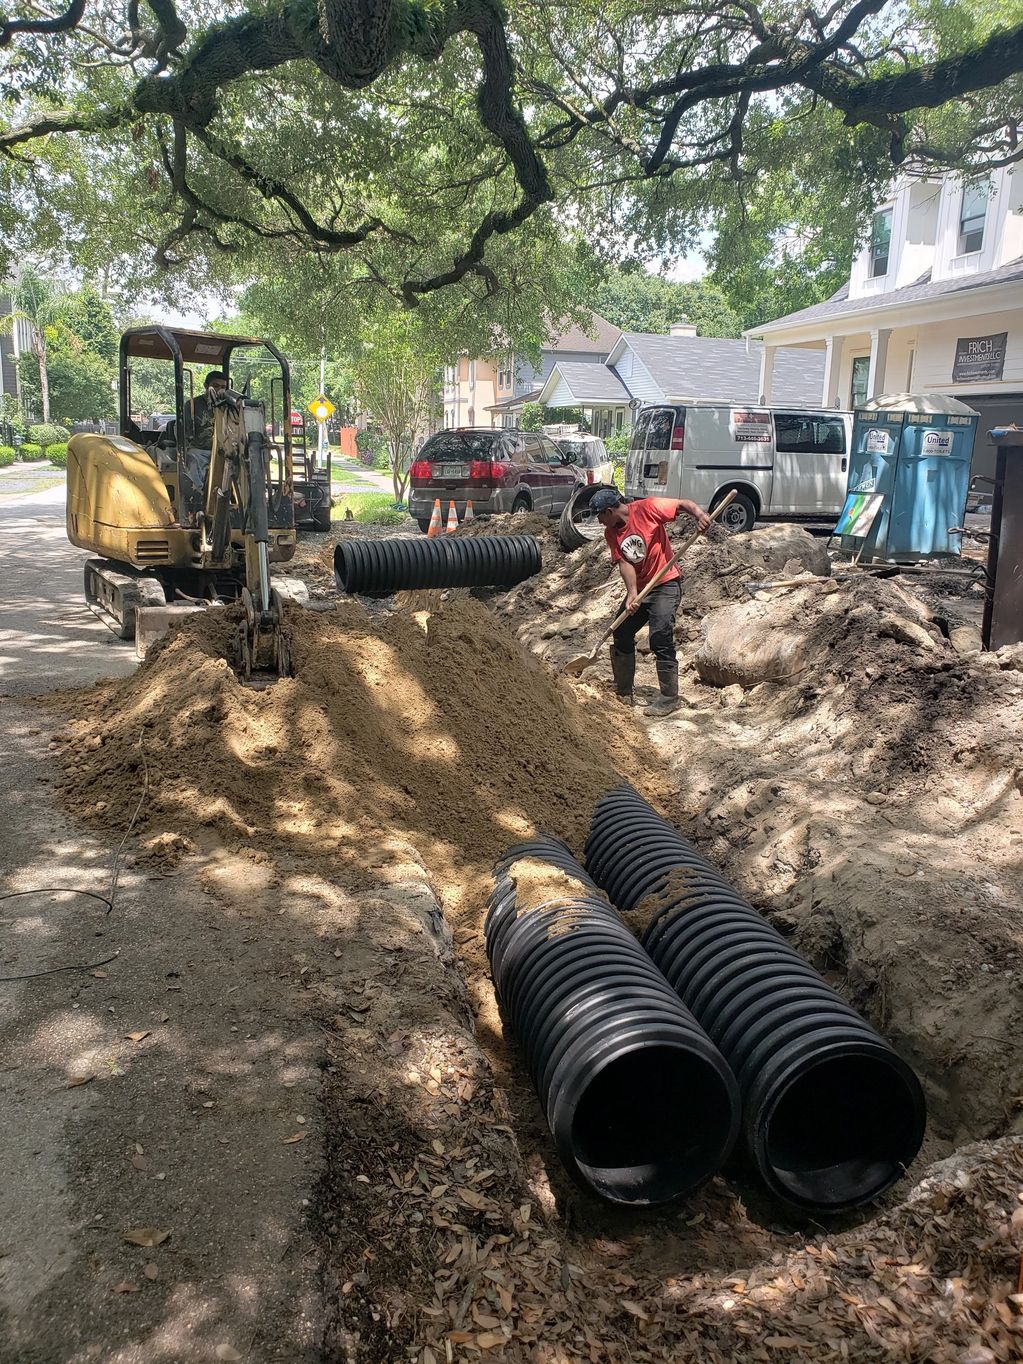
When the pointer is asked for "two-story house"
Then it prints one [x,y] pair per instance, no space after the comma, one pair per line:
[934,303]
[492,391]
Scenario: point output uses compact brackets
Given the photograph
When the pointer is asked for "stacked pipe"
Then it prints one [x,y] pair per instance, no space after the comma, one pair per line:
[403,563]
[831,1115]
[641,1106]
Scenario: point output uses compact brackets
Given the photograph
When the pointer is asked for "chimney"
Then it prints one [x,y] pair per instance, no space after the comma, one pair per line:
[683,328]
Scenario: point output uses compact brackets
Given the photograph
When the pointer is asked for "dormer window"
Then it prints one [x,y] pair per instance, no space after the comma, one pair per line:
[880,243]
[971,217]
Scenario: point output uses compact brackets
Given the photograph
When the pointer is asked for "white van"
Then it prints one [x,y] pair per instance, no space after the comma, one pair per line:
[782,461]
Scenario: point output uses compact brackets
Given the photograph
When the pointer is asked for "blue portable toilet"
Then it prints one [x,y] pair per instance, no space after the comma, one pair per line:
[909,473]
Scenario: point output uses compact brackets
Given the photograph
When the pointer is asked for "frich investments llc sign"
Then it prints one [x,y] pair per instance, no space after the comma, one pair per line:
[979,357]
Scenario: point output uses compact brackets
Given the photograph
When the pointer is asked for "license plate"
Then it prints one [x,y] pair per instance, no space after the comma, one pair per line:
[454,471]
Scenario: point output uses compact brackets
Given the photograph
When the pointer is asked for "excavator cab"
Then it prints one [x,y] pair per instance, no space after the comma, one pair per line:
[192,512]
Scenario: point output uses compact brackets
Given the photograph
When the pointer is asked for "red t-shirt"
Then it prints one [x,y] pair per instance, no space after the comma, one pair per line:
[643,541]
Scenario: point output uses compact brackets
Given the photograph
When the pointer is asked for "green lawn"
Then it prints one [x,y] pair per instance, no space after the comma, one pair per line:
[377,509]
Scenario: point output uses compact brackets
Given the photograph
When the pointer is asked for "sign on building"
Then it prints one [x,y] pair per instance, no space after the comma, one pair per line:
[979,357]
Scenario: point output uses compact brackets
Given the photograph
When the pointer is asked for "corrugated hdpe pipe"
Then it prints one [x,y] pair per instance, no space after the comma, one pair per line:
[403,562]
[641,1106]
[831,1114]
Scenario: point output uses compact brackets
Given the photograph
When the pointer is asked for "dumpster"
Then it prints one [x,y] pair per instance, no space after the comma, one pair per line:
[909,472]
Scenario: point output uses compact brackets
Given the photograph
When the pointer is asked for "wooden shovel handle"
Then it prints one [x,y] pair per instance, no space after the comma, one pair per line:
[659,576]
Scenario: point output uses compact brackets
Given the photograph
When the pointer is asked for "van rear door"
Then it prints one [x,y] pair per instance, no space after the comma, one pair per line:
[656,463]
[810,463]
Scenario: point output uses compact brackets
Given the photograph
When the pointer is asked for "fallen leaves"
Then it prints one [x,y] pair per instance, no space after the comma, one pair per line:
[295,1136]
[146,1236]
[137,1036]
[73,1081]
[226,1351]
[124,1287]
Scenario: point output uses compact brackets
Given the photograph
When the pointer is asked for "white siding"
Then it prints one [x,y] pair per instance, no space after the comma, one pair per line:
[562,395]
[640,382]
[936,351]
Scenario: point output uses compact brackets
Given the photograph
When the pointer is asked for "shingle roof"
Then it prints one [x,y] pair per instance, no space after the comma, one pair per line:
[922,290]
[709,367]
[591,383]
[517,401]
[605,334]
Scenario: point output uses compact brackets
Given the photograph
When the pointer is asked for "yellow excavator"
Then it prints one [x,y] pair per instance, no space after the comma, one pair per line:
[183,518]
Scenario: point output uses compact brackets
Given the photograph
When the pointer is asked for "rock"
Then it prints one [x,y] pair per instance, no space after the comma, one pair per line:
[1010,656]
[965,640]
[905,631]
[745,644]
[548,632]
[732,696]
[875,797]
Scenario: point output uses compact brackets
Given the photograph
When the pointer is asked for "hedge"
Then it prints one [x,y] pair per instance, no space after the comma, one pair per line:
[31,451]
[7,455]
[57,454]
[48,433]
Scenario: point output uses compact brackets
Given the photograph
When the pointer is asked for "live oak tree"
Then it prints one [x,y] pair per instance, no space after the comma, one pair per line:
[413,137]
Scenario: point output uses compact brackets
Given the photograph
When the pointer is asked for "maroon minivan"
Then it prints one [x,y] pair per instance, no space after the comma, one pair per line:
[498,469]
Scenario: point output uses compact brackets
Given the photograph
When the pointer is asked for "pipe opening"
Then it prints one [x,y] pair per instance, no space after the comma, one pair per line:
[651,1125]
[842,1132]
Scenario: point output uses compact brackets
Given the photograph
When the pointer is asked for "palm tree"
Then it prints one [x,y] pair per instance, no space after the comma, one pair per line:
[34,301]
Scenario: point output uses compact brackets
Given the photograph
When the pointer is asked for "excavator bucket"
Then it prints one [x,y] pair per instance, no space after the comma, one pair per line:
[153,622]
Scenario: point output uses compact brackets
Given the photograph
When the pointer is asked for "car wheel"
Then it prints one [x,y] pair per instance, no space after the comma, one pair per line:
[521,505]
[321,515]
[739,515]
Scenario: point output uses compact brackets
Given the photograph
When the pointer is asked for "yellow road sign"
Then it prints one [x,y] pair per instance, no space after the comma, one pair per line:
[321,408]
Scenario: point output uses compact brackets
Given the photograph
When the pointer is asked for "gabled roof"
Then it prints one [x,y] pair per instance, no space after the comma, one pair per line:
[519,400]
[605,334]
[588,383]
[709,367]
[840,305]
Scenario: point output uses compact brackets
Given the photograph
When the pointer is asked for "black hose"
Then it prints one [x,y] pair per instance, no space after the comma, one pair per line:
[402,562]
[831,1115]
[641,1106]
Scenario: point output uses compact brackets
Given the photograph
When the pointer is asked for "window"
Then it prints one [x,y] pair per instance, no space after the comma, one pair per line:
[971,218]
[796,433]
[662,423]
[860,376]
[880,243]
[505,372]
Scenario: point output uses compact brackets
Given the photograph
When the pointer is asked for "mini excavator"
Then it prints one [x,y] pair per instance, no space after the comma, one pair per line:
[184,522]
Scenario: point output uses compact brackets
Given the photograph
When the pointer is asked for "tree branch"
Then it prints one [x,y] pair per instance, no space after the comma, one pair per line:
[9,28]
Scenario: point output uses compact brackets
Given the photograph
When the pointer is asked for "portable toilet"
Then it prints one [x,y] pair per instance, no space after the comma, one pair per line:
[909,473]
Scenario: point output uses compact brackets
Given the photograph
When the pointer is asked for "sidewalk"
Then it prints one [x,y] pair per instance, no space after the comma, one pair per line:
[357,478]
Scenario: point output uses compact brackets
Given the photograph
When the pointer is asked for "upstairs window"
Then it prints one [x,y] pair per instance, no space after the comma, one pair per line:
[880,243]
[971,218]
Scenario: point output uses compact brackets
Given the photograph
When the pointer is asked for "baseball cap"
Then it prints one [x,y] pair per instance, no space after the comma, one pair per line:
[605,500]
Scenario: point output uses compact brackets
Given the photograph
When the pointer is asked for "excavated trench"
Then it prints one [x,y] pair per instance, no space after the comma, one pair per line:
[412,747]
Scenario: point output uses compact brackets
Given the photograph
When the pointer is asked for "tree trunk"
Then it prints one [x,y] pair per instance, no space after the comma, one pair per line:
[44,384]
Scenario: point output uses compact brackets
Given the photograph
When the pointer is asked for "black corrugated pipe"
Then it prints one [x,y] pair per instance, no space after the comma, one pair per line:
[403,562]
[641,1106]
[831,1114]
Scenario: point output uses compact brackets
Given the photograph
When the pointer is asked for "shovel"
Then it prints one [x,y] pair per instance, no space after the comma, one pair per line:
[575,666]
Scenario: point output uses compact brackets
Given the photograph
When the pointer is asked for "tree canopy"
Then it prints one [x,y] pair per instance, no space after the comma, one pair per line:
[417,139]
[640,302]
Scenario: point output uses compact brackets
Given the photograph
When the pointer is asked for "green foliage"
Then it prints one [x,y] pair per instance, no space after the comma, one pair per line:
[533,416]
[10,413]
[375,509]
[31,451]
[57,454]
[640,302]
[618,445]
[48,434]
[7,455]
[371,446]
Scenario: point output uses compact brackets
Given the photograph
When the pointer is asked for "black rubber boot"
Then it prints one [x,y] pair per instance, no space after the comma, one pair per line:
[668,701]
[623,666]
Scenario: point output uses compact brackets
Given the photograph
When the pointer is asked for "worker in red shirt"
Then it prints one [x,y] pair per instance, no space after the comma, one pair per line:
[636,535]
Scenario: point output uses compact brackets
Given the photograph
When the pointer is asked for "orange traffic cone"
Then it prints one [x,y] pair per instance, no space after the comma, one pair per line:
[452,518]
[435,521]
[468,511]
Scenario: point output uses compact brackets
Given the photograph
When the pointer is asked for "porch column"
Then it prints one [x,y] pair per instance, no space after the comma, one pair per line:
[833,348]
[766,372]
[878,361]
